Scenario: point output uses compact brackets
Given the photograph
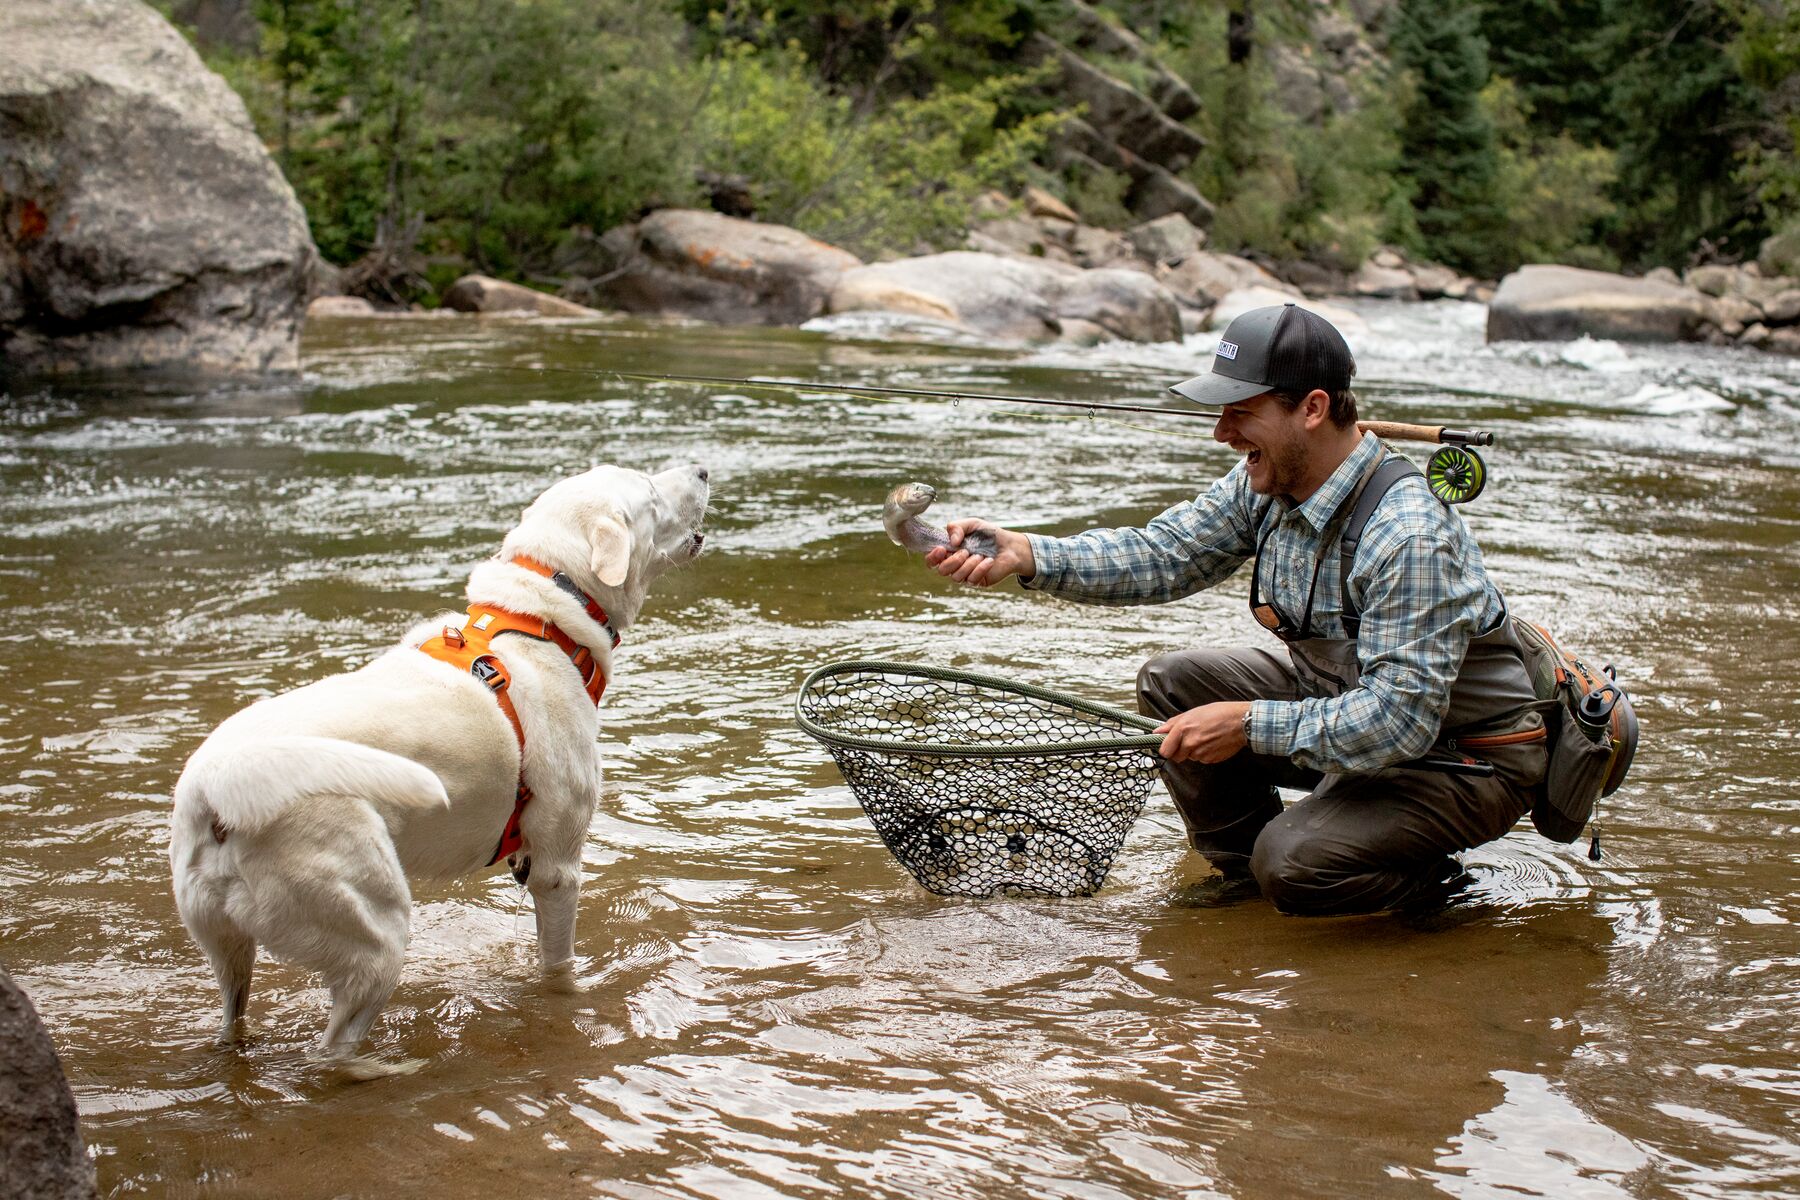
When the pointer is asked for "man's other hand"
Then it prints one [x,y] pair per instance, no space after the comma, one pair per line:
[1211,733]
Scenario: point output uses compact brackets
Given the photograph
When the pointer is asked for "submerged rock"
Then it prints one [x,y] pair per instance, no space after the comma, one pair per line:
[1554,304]
[717,268]
[339,306]
[1018,299]
[142,224]
[483,294]
[41,1155]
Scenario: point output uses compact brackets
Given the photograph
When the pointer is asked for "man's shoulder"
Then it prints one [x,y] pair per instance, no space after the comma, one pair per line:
[1410,511]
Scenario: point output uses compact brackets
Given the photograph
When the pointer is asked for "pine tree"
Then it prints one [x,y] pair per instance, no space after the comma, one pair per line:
[1449,159]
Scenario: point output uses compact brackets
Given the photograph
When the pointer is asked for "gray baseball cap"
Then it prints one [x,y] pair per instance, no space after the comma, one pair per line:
[1279,348]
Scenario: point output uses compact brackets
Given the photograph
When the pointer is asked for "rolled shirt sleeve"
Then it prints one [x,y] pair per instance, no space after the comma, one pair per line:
[1185,549]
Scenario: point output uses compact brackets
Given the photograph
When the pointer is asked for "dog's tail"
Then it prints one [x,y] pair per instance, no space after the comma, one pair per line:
[245,785]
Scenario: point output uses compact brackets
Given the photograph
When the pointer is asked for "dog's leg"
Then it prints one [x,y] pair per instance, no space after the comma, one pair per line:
[233,963]
[556,895]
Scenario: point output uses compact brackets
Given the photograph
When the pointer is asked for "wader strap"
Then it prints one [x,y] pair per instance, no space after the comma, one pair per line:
[1391,471]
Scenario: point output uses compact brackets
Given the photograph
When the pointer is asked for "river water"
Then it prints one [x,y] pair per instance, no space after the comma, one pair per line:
[770,1006]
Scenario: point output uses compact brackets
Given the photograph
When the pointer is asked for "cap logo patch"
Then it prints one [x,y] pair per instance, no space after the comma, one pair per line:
[1228,350]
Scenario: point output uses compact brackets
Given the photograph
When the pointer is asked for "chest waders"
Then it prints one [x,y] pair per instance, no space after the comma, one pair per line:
[1492,701]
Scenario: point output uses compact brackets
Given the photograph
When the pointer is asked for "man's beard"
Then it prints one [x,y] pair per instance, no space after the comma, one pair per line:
[1287,465]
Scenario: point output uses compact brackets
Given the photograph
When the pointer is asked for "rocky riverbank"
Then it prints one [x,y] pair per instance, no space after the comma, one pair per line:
[1031,272]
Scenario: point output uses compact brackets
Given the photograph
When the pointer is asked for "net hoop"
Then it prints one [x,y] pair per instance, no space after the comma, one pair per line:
[852,741]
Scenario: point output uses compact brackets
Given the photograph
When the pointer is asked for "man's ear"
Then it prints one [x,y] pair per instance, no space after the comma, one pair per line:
[609,544]
[1315,409]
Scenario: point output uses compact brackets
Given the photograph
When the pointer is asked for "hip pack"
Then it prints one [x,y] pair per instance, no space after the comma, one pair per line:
[1593,734]
[1592,728]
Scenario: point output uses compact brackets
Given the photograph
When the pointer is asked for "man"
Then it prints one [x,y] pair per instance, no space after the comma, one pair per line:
[1424,657]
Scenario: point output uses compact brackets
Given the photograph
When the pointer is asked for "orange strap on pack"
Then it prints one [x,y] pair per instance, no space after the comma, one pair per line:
[470,649]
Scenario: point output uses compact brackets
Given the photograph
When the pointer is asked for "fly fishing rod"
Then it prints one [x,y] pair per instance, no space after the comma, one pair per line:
[1455,473]
[1391,430]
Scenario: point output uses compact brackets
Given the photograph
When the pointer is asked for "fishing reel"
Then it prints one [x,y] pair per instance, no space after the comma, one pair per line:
[1455,474]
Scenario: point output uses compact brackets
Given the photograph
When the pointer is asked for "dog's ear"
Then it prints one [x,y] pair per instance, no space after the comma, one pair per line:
[609,544]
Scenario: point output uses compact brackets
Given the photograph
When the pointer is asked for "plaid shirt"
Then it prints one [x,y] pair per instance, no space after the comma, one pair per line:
[1417,577]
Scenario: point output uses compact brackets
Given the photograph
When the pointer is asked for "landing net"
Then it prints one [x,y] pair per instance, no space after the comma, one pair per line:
[980,786]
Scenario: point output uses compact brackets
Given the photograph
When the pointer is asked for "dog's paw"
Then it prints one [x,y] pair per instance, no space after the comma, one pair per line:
[563,979]
[361,1068]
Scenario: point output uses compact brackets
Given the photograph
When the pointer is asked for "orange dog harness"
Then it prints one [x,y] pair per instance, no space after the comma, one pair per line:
[471,649]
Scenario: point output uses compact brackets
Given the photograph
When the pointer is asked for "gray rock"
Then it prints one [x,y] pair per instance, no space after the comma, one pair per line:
[1039,203]
[1783,341]
[1546,303]
[339,306]
[1153,192]
[1385,282]
[1094,247]
[718,268]
[1093,30]
[1714,280]
[1017,299]
[1733,313]
[1433,281]
[41,1155]
[142,224]
[1388,259]
[484,294]
[1313,279]
[1662,275]
[1204,278]
[1009,235]
[1783,308]
[1166,240]
[1754,335]
[1780,254]
[1129,305]
[1156,193]
[1119,111]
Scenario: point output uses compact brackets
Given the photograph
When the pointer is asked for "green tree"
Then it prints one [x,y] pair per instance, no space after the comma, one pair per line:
[1766,52]
[1449,157]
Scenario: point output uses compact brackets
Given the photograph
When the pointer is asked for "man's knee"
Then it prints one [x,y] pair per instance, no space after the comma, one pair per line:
[1278,863]
[1299,874]
[1173,683]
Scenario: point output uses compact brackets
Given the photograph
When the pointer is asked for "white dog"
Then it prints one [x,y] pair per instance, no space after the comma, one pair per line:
[299,820]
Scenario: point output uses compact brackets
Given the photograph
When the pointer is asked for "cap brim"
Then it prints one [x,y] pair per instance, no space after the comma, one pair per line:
[1216,391]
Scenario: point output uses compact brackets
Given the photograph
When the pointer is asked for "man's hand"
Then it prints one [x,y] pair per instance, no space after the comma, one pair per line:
[1013,556]
[1211,733]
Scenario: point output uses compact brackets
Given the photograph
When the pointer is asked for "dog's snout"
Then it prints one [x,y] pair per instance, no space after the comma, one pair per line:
[703,473]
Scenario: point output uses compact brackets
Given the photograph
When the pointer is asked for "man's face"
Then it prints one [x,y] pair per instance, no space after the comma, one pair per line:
[1269,436]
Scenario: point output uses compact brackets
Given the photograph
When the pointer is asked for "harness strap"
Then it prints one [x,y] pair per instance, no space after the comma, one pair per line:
[1392,470]
[470,648]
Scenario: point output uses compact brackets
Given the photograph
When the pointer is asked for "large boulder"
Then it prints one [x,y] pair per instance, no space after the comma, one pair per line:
[1017,299]
[702,264]
[1780,253]
[1554,304]
[1204,278]
[142,224]
[41,1155]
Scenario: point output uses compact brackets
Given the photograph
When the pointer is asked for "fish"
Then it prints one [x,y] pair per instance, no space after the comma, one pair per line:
[900,517]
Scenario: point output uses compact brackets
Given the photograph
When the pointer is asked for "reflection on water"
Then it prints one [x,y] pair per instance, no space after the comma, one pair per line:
[769,1006]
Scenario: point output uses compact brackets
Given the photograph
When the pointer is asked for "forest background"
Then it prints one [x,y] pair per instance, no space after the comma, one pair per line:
[427,138]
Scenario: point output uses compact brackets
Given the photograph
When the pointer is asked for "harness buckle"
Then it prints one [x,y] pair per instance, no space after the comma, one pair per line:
[487,671]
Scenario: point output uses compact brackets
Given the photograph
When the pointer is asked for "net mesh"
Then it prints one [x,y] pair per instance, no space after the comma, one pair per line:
[979,786]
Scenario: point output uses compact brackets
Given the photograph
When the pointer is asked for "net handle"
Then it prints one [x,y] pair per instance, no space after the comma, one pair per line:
[831,737]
